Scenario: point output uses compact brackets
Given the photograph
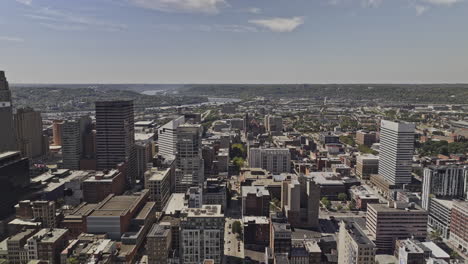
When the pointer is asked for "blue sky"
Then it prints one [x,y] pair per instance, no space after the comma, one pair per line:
[234,41]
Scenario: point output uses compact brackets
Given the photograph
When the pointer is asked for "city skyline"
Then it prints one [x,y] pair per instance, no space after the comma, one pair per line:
[226,41]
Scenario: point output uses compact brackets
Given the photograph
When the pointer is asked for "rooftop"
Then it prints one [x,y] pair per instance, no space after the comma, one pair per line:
[159,230]
[258,190]
[176,203]
[256,219]
[204,211]
[357,233]
[48,235]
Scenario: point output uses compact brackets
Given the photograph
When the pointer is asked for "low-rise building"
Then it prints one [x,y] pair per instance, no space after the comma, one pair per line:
[202,234]
[102,183]
[367,165]
[159,244]
[47,244]
[89,248]
[158,183]
[354,247]
[388,223]
[459,226]
[255,201]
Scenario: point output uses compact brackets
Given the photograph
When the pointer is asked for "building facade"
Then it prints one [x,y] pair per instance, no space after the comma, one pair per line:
[275,160]
[115,135]
[28,127]
[189,161]
[388,223]
[354,247]
[7,133]
[396,151]
[447,182]
[202,234]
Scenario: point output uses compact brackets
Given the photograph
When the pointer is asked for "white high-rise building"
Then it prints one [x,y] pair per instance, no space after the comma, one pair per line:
[275,160]
[396,151]
[167,138]
[444,182]
[189,160]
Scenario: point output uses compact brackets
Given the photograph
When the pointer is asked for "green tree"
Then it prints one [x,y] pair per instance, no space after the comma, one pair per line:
[365,149]
[352,205]
[342,196]
[339,207]
[325,202]
[238,162]
[237,150]
[72,260]
[237,227]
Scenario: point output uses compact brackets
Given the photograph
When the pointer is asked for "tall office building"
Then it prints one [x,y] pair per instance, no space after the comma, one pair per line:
[73,132]
[167,138]
[28,127]
[115,136]
[275,160]
[14,180]
[7,133]
[396,151]
[444,182]
[57,132]
[189,161]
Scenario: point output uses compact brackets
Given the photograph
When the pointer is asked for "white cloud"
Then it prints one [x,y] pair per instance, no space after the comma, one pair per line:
[183,6]
[279,24]
[371,3]
[11,39]
[63,27]
[206,28]
[442,2]
[420,9]
[60,20]
[25,2]
[254,10]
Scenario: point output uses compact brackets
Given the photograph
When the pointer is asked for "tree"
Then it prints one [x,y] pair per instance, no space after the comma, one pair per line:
[238,162]
[342,196]
[436,235]
[72,260]
[352,205]
[339,207]
[325,202]
[237,228]
[237,150]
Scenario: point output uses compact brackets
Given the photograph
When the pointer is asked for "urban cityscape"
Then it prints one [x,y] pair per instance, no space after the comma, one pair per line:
[233,132]
[233,180]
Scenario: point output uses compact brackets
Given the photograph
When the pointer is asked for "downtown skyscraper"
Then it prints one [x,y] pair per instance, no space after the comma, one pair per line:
[396,151]
[7,133]
[115,136]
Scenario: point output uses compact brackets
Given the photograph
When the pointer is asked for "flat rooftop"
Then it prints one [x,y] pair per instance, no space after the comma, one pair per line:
[204,211]
[256,219]
[258,190]
[176,203]
[115,206]
[48,235]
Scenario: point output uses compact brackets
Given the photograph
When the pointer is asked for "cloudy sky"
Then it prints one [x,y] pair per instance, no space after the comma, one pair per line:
[234,41]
